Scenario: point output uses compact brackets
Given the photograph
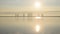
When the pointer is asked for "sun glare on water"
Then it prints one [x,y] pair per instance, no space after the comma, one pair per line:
[37,28]
[38,17]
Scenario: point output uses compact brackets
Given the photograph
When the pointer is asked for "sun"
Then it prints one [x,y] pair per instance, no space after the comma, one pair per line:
[37,4]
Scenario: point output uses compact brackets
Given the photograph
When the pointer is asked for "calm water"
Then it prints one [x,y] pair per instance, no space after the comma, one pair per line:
[26,25]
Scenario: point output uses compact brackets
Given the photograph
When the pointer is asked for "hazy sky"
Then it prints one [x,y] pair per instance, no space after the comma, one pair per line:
[12,5]
[26,2]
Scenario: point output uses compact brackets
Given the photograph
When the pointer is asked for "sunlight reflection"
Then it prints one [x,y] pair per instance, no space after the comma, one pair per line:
[38,17]
[37,28]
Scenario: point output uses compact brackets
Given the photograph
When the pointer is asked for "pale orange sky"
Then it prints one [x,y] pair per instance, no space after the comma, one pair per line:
[28,5]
